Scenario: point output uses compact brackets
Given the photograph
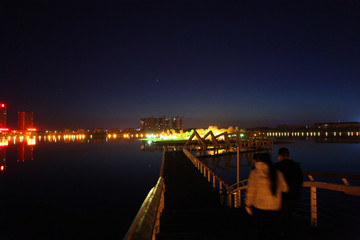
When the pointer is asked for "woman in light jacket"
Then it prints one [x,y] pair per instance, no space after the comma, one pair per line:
[263,196]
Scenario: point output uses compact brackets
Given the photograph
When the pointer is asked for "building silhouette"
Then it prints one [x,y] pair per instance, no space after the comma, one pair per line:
[337,125]
[161,123]
[2,115]
[25,120]
[177,123]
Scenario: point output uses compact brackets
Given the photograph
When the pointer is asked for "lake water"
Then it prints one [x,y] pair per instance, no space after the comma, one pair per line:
[312,156]
[71,190]
[94,189]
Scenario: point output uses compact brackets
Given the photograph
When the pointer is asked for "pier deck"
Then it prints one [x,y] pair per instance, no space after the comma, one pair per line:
[193,210]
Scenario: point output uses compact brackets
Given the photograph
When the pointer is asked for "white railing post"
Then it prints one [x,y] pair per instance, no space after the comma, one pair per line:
[229,196]
[313,204]
[236,199]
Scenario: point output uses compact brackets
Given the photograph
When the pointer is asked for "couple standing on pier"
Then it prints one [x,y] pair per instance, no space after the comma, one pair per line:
[272,194]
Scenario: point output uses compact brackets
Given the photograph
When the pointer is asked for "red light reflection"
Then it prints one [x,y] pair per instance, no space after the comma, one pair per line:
[4,143]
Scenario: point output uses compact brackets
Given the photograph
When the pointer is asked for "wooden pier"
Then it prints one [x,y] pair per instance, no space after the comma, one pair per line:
[190,201]
[192,206]
[193,209]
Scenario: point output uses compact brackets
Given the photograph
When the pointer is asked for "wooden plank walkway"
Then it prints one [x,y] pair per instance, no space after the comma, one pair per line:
[192,205]
[193,210]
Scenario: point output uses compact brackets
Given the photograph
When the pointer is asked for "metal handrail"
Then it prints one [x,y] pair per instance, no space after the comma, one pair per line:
[352,190]
[333,175]
[146,223]
[232,195]
[237,185]
[209,173]
[312,184]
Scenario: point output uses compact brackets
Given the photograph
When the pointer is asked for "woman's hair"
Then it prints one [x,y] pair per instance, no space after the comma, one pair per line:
[266,158]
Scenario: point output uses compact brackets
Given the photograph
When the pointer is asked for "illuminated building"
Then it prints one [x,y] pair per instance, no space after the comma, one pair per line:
[177,123]
[162,123]
[2,115]
[156,124]
[25,120]
[143,124]
[148,123]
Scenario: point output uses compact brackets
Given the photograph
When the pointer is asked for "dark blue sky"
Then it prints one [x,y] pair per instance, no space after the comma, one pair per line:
[241,63]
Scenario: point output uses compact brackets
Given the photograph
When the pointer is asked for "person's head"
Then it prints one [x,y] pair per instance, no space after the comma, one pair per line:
[263,157]
[283,154]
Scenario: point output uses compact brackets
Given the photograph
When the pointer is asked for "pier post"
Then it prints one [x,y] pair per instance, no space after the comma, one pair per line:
[238,163]
[237,199]
[229,198]
[313,204]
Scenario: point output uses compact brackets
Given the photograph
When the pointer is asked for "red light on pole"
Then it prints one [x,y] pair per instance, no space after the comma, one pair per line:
[2,168]
[2,105]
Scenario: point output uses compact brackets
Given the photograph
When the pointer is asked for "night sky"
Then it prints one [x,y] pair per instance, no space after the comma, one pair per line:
[89,64]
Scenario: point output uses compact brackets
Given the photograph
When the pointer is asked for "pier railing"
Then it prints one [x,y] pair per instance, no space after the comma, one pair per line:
[345,187]
[226,141]
[147,221]
[237,191]
[211,176]
[234,195]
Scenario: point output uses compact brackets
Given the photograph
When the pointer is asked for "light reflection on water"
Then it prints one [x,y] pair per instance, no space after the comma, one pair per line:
[96,187]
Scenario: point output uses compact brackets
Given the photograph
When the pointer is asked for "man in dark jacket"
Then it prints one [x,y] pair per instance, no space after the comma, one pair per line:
[294,178]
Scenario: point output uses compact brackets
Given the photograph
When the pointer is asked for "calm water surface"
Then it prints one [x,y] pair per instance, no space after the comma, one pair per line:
[312,156]
[72,190]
